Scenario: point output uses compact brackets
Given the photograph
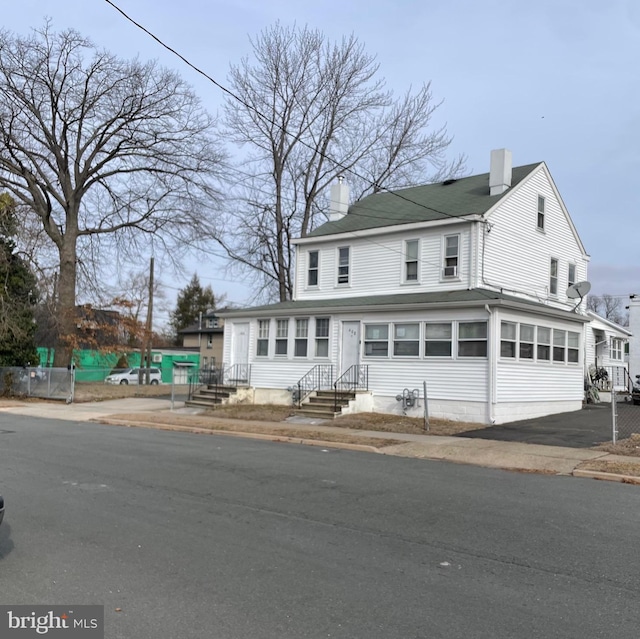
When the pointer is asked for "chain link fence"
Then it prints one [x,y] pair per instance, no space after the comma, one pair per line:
[625,416]
[46,383]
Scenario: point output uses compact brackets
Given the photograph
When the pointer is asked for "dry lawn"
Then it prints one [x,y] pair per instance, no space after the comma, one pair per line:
[629,447]
[98,391]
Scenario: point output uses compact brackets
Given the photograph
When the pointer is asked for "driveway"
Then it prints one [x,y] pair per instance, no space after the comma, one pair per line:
[579,429]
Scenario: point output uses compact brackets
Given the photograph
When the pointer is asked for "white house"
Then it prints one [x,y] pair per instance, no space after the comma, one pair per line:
[460,286]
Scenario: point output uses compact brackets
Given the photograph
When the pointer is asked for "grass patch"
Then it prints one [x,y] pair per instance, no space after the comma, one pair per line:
[629,446]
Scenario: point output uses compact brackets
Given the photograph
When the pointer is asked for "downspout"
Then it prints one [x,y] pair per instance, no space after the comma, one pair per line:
[492,369]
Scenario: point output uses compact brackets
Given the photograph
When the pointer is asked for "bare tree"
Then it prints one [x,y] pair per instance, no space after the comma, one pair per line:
[311,110]
[609,307]
[109,155]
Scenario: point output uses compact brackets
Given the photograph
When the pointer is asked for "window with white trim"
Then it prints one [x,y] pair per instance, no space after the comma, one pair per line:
[343,265]
[437,339]
[508,332]
[472,339]
[376,340]
[527,341]
[302,335]
[451,256]
[411,260]
[553,276]
[540,212]
[571,275]
[616,349]
[322,337]
[406,340]
[282,336]
[209,341]
[544,343]
[262,343]
[312,271]
[212,322]
[559,345]
[573,347]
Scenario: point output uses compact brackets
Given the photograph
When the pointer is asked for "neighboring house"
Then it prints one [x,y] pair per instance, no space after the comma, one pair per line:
[207,335]
[459,286]
[634,341]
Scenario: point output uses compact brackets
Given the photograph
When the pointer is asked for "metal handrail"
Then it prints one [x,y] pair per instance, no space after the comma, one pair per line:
[356,377]
[320,376]
[237,375]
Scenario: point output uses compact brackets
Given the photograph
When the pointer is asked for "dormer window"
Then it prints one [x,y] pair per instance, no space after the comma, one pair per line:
[212,322]
[540,213]
[451,256]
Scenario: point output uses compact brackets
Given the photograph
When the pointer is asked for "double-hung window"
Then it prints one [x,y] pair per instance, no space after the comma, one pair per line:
[437,339]
[406,340]
[343,265]
[559,345]
[553,276]
[302,335]
[411,261]
[527,341]
[615,348]
[571,275]
[262,344]
[573,347]
[544,344]
[322,337]
[312,271]
[451,256]
[540,213]
[472,339]
[508,331]
[282,336]
[376,340]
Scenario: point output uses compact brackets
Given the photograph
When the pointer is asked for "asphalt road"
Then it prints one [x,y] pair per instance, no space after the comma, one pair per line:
[195,536]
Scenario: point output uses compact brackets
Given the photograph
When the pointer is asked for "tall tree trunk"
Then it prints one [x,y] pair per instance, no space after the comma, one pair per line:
[66,306]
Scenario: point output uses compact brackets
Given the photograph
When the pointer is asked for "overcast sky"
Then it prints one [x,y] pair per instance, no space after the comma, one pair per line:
[552,80]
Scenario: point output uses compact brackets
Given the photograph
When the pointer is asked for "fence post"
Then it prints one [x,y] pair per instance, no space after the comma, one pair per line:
[614,415]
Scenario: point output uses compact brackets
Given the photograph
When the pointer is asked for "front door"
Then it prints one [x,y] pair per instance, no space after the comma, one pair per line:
[350,345]
[240,362]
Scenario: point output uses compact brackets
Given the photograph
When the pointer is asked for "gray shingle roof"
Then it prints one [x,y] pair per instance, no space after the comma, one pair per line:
[457,198]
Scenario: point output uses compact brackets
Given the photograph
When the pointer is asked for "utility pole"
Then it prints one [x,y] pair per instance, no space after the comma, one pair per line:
[149,328]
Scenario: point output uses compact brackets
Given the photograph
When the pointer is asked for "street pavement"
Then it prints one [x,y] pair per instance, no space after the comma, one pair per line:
[510,446]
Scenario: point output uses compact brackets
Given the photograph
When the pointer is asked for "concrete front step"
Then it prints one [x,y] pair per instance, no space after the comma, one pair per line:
[317,414]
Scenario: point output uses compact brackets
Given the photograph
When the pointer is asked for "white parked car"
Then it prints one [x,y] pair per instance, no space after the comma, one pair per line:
[132,375]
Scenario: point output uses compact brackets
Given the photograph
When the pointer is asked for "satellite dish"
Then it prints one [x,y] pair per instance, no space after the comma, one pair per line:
[578,290]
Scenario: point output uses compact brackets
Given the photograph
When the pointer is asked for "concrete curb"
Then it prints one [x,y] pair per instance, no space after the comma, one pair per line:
[234,433]
[598,474]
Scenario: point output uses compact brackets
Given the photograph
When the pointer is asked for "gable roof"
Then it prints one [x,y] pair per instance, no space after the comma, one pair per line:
[449,199]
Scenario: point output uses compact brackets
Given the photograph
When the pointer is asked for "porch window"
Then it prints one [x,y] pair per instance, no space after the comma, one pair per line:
[573,347]
[312,272]
[544,344]
[616,349]
[437,339]
[553,276]
[406,340]
[322,337]
[302,334]
[527,341]
[508,332]
[262,344]
[472,339]
[540,213]
[376,340]
[559,345]
[411,261]
[343,265]
[282,336]
[451,255]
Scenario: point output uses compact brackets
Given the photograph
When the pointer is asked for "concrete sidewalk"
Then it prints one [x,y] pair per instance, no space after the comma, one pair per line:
[509,455]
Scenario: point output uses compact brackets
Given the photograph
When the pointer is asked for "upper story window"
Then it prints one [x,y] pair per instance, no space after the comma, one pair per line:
[571,275]
[209,341]
[312,272]
[451,256]
[553,276]
[302,335]
[322,337]
[541,212]
[282,336]
[411,261]
[262,344]
[343,265]
[212,322]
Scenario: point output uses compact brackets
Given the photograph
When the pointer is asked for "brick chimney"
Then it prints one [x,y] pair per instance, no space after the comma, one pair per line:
[500,172]
[339,202]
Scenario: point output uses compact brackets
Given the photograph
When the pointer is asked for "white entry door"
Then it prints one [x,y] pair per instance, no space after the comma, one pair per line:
[350,345]
[241,343]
